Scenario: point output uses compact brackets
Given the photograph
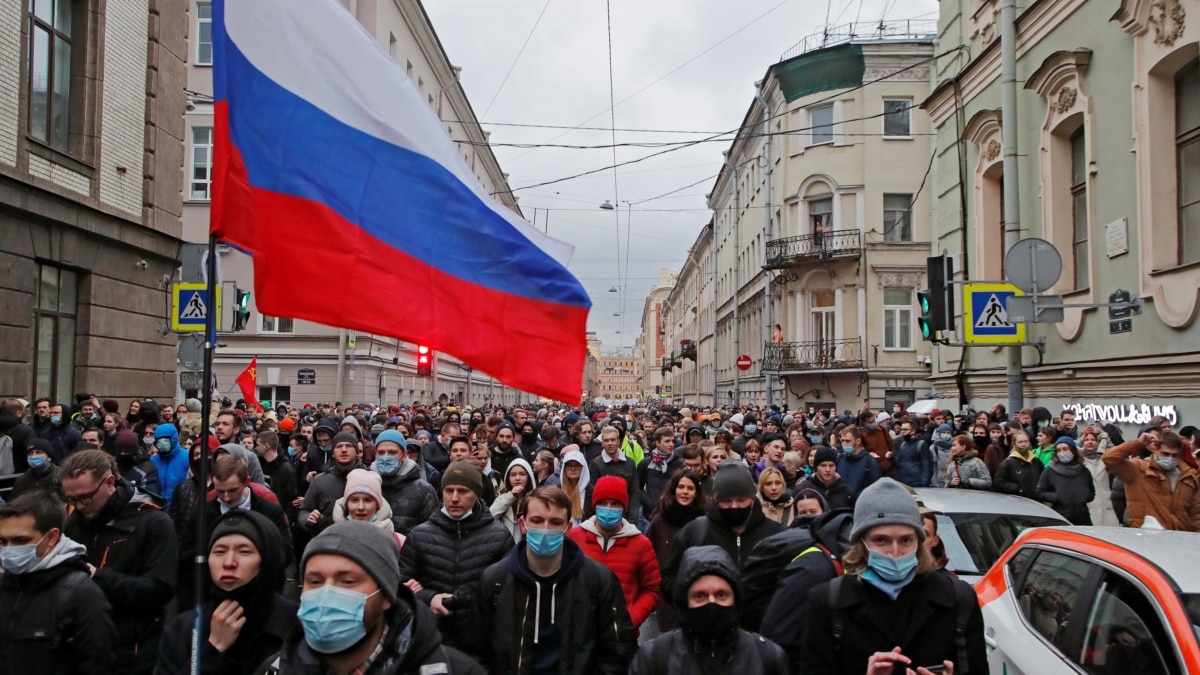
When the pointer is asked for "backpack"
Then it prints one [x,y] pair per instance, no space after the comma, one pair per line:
[965,601]
[6,455]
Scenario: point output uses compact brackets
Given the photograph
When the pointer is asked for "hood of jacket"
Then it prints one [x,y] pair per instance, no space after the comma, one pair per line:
[168,431]
[715,520]
[832,530]
[585,478]
[520,461]
[700,561]
[352,421]
[1072,469]
[253,467]
[66,556]
[628,529]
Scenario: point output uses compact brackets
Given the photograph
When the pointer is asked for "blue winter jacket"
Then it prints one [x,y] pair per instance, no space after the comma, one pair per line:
[173,465]
[859,470]
[912,463]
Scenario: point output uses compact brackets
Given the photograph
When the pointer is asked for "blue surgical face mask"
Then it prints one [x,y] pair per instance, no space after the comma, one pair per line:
[816,440]
[36,461]
[751,429]
[332,618]
[163,445]
[892,569]
[463,517]
[20,559]
[945,437]
[387,465]
[848,448]
[1167,463]
[608,516]
[544,543]
[55,419]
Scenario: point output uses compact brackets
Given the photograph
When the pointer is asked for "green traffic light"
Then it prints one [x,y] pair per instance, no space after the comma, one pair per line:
[923,300]
[926,329]
[244,300]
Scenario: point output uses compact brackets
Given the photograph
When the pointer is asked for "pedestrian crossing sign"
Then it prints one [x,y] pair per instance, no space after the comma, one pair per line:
[985,310]
[190,307]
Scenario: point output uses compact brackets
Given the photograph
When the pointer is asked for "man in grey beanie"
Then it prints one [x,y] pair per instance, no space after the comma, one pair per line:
[734,521]
[357,617]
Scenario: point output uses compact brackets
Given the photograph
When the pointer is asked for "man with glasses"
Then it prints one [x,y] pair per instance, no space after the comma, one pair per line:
[131,552]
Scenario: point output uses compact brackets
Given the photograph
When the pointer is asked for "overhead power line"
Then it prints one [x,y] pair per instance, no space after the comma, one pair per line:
[514,63]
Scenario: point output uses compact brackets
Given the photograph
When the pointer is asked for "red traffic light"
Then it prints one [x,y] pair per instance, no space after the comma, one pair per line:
[422,349]
[424,362]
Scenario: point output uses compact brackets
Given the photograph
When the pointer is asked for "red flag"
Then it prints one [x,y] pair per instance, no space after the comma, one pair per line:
[248,383]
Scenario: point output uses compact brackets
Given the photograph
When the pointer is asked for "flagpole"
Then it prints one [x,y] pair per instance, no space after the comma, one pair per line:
[210,346]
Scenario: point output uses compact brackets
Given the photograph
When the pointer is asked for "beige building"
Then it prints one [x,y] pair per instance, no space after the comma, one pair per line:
[306,362]
[687,321]
[822,224]
[650,345]
[619,377]
[91,104]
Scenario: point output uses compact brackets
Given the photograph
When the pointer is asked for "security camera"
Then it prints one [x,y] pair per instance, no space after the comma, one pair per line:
[142,264]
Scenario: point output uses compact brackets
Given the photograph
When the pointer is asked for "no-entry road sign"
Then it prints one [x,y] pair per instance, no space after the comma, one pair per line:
[744,362]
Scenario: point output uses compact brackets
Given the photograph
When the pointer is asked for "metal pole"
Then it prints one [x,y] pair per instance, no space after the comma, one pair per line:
[768,233]
[1012,210]
[341,364]
[201,560]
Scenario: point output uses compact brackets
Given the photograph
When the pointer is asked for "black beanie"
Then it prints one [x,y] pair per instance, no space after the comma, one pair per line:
[732,481]
[261,532]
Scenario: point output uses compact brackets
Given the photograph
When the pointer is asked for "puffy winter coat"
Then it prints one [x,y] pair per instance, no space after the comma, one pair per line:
[132,545]
[1018,475]
[1148,489]
[172,466]
[32,480]
[412,499]
[630,556]
[970,470]
[323,493]
[56,619]
[581,607]
[710,530]
[1068,488]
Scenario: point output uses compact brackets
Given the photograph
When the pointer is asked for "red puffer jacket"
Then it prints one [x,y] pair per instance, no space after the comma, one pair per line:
[630,556]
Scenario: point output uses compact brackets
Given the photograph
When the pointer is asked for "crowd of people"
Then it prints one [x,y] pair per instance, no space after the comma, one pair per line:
[428,538]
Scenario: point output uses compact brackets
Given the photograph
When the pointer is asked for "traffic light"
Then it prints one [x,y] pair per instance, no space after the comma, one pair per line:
[937,302]
[424,361]
[241,310]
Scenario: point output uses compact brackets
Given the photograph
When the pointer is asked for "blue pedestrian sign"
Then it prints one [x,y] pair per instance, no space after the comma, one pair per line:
[190,306]
[985,310]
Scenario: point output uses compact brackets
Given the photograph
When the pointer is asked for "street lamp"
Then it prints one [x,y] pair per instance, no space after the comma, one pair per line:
[607,205]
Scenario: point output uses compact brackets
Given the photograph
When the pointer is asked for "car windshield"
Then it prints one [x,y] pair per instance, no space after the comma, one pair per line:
[1191,604]
[974,541]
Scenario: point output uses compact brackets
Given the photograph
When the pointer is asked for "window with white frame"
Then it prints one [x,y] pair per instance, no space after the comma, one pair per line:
[820,215]
[897,218]
[820,122]
[200,180]
[204,42]
[271,324]
[1187,150]
[897,117]
[897,318]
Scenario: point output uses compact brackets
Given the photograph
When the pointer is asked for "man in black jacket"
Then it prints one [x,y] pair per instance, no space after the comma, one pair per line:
[410,497]
[448,553]
[613,462]
[279,472]
[47,596]
[316,513]
[655,471]
[547,607]
[21,434]
[131,552]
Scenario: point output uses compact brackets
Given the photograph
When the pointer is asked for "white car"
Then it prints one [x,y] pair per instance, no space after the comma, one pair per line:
[976,526]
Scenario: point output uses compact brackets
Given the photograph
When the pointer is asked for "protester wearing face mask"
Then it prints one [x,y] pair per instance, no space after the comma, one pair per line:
[547,607]
[709,597]
[357,617]
[894,609]
[245,620]
[940,447]
[855,465]
[1020,472]
[170,459]
[42,474]
[617,544]
[63,436]
[47,595]
[411,500]
[912,463]
[133,464]
[1066,485]
[1159,486]
[1092,444]
[734,521]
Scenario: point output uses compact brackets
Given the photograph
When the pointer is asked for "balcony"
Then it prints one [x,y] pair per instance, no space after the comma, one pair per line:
[791,357]
[688,351]
[819,247]
[669,362]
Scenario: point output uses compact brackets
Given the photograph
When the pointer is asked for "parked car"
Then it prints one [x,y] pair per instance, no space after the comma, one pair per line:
[976,527]
[1094,600]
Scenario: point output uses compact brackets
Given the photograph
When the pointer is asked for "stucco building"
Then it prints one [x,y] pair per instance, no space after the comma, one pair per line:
[650,346]
[687,321]
[619,376]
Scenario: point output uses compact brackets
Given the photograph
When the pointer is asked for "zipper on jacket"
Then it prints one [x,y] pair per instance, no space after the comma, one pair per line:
[521,644]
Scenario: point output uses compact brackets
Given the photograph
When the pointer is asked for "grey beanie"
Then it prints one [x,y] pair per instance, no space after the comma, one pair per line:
[733,480]
[369,546]
[886,502]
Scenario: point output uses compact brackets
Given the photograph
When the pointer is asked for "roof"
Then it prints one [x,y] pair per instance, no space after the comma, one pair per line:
[953,500]
[1173,552]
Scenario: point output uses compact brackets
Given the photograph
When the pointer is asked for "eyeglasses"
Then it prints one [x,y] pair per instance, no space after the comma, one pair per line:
[86,499]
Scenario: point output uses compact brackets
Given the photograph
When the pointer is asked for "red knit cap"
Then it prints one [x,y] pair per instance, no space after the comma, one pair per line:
[611,487]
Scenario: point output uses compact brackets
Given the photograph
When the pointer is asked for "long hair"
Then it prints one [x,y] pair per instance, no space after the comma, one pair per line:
[667,498]
[855,561]
[571,487]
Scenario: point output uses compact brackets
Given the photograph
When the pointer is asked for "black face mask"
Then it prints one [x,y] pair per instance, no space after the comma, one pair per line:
[529,437]
[709,621]
[982,441]
[736,517]
[125,460]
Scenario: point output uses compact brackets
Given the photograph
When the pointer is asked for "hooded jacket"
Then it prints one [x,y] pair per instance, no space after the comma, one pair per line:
[679,652]
[133,547]
[576,619]
[710,529]
[585,476]
[411,498]
[630,556]
[319,458]
[253,466]
[859,469]
[504,507]
[1068,488]
[837,495]
[55,619]
[173,465]
[970,470]
[662,531]
[1018,475]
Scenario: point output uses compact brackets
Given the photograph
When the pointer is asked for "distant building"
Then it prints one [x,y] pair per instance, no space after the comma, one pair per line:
[619,376]
[650,346]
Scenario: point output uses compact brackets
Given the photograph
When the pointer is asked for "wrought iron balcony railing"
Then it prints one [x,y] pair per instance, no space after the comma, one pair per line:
[688,351]
[783,253]
[815,355]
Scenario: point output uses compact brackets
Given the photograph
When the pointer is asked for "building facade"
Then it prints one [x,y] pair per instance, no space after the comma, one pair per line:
[306,362]
[91,105]
[619,377]
[688,329]
[650,345]
[821,224]
[1108,166]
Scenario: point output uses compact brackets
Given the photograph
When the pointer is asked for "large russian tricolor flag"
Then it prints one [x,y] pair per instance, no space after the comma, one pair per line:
[333,172]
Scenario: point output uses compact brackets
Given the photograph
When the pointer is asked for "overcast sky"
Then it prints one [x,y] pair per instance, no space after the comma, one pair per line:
[562,79]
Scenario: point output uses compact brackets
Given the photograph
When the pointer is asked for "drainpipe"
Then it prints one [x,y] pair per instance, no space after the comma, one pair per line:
[1012,210]
[712,280]
[768,232]
[341,364]
[737,279]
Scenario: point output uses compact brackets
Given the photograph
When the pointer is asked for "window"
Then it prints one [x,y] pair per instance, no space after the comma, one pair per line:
[408,69]
[272,324]
[1049,592]
[820,122]
[392,45]
[1187,150]
[897,218]
[897,318]
[1123,632]
[897,117]
[50,72]
[820,214]
[200,184]
[1079,213]
[54,331]
[204,45]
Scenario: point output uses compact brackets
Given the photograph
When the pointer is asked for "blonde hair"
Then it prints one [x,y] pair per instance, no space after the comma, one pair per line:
[571,487]
[766,475]
[855,561]
[793,461]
